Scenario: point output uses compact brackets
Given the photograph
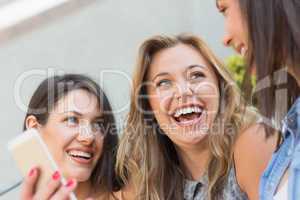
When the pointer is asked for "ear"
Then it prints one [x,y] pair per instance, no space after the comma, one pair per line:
[31,122]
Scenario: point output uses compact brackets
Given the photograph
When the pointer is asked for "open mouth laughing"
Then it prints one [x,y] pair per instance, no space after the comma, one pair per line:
[81,156]
[188,115]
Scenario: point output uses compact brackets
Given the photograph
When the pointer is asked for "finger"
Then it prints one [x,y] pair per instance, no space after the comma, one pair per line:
[29,184]
[64,192]
[48,190]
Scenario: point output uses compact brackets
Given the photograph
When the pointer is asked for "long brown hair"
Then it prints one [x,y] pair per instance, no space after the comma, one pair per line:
[274,44]
[50,91]
[147,159]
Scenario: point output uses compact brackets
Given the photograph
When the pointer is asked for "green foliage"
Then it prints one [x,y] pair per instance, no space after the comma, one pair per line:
[237,66]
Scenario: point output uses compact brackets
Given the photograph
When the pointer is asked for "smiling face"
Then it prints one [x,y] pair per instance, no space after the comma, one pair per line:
[183,94]
[73,134]
[235,27]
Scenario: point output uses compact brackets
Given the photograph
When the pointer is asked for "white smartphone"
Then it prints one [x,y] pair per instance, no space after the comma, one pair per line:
[29,150]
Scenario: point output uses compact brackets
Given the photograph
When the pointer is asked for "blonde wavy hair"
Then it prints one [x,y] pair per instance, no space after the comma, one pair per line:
[147,160]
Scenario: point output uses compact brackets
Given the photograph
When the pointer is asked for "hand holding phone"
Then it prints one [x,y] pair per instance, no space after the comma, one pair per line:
[29,151]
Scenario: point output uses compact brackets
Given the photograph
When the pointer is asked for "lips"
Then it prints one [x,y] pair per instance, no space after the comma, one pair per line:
[81,156]
[187,110]
[188,115]
[243,51]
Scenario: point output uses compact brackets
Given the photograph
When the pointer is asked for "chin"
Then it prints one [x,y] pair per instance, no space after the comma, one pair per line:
[81,175]
[192,138]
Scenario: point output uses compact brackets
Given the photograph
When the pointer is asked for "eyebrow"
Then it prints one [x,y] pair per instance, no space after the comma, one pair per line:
[160,74]
[193,66]
[80,114]
[74,112]
[188,68]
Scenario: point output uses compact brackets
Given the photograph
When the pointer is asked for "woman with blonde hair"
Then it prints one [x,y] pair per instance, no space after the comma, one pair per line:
[185,116]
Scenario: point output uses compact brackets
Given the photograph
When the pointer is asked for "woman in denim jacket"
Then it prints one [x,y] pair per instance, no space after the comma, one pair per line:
[267,34]
[286,161]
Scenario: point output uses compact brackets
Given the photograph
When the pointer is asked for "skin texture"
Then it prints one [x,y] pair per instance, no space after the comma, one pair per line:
[74,123]
[179,76]
[252,150]
[236,31]
[67,129]
[252,153]
[235,28]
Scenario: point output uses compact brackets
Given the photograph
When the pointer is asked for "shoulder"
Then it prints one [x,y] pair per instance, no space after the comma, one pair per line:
[252,152]
[254,135]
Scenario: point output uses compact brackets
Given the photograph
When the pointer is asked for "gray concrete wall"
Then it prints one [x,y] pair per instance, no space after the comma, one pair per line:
[88,37]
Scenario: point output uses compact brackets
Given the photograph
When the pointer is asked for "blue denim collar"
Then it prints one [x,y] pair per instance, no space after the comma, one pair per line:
[283,158]
[291,123]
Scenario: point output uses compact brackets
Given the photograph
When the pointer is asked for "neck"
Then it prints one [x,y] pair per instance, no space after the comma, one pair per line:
[194,159]
[83,190]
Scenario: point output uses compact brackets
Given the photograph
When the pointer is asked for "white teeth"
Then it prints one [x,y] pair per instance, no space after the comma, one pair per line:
[188,110]
[80,153]
[243,51]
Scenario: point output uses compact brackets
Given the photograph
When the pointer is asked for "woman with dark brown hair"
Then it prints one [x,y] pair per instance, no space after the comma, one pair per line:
[267,33]
[75,120]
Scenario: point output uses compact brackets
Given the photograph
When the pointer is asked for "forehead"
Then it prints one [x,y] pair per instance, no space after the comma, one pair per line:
[78,100]
[179,56]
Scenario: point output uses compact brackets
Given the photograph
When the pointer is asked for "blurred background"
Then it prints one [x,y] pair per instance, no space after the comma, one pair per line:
[94,37]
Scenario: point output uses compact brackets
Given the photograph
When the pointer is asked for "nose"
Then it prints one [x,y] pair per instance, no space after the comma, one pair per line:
[86,135]
[183,89]
[227,40]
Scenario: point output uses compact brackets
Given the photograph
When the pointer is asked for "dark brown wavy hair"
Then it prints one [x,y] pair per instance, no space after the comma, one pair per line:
[274,48]
[44,99]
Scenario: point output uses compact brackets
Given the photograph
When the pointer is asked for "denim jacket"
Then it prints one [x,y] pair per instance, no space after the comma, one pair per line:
[286,157]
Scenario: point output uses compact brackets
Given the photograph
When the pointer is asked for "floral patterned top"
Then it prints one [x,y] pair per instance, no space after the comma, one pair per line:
[197,190]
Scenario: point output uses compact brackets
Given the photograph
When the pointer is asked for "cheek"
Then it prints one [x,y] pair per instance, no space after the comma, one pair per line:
[236,23]
[207,90]
[228,26]
[208,93]
[57,139]
[160,102]
[233,28]
[160,107]
[99,146]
